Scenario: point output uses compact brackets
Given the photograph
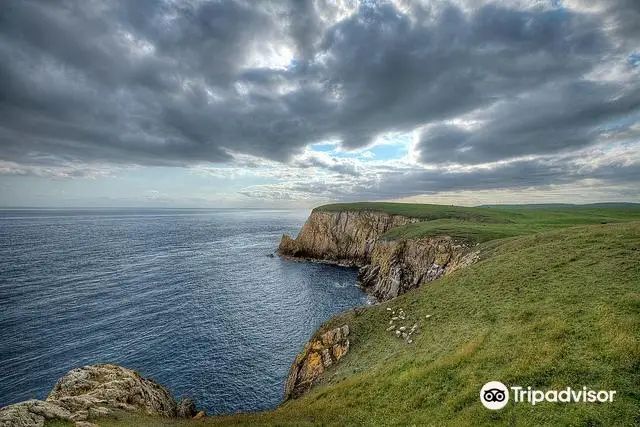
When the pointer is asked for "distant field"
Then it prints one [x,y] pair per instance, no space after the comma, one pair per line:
[481,224]
[549,310]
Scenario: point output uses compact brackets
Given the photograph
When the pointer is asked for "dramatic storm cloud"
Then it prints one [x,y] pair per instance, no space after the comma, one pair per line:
[317,100]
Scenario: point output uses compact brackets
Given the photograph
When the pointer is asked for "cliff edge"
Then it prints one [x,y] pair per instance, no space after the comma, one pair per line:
[397,266]
[388,268]
[344,237]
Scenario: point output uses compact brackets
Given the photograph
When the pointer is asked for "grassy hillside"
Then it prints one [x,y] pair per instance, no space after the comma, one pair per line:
[547,310]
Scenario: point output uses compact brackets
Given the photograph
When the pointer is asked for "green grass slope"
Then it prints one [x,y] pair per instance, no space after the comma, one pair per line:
[549,310]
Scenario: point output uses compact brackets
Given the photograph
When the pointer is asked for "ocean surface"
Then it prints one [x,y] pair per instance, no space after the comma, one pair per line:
[189,298]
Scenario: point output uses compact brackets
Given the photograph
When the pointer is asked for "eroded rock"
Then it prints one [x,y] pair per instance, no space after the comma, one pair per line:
[32,413]
[345,238]
[97,390]
[399,266]
[317,356]
[388,268]
[186,408]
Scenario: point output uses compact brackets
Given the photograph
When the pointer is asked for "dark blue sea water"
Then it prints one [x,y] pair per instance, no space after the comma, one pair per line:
[187,297]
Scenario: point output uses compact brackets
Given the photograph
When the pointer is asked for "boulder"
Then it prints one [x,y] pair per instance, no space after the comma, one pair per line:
[186,408]
[99,390]
[32,413]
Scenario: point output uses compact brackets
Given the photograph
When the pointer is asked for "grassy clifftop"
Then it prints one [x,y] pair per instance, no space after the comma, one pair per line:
[422,211]
[481,224]
[549,310]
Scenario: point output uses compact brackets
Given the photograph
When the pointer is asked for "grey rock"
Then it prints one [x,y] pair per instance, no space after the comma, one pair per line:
[326,358]
[103,389]
[397,266]
[186,408]
[32,413]
[96,391]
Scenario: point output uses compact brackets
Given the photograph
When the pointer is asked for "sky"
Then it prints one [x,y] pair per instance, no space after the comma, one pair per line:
[296,103]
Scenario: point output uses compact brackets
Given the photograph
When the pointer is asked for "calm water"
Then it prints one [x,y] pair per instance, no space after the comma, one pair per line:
[188,298]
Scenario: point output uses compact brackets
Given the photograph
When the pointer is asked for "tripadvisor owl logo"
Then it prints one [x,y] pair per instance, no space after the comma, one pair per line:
[494,395]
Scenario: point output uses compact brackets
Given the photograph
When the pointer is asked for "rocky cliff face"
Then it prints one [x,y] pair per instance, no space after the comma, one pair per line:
[318,355]
[96,391]
[345,238]
[398,266]
[388,268]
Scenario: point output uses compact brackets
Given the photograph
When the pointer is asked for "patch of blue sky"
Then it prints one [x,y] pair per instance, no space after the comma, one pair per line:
[621,123]
[389,151]
[324,147]
[634,59]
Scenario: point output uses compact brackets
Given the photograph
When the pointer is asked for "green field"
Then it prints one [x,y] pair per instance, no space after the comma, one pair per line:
[555,304]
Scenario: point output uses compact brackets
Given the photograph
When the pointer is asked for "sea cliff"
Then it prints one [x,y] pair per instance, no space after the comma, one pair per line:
[344,237]
[397,266]
[388,268]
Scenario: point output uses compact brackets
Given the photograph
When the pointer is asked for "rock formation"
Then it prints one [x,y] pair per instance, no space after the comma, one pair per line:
[345,238]
[388,268]
[33,413]
[187,408]
[96,391]
[318,354]
[100,389]
[399,266]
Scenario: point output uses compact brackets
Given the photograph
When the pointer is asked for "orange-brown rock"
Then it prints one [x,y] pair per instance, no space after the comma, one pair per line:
[323,352]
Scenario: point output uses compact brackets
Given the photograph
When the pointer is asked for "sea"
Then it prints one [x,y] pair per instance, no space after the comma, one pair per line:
[192,298]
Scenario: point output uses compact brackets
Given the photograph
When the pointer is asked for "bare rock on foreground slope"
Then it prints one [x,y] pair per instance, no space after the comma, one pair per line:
[96,391]
[102,388]
[32,413]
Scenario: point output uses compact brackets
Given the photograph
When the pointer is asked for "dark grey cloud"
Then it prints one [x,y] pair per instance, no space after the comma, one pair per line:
[158,82]
[522,174]
[343,167]
[557,117]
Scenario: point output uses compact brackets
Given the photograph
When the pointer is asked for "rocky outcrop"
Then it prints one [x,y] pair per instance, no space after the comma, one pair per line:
[318,354]
[399,266]
[99,389]
[96,391]
[345,238]
[187,408]
[33,413]
[388,268]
